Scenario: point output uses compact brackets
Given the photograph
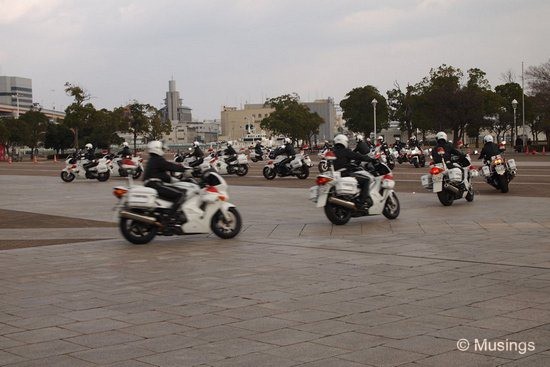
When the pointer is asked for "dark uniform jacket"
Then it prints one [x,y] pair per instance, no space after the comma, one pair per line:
[157,167]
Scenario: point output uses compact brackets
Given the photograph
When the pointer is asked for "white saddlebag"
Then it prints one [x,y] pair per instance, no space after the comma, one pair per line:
[142,197]
[346,186]
[427,182]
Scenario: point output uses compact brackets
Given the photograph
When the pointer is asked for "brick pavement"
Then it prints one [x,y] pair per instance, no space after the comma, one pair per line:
[291,290]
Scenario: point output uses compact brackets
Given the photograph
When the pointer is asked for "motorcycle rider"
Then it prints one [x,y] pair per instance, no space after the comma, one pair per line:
[398,144]
[125,152]
[343,161]
[288,150]
[258,149]
[489,150]
[230,152]
[413,143]
[156,175]
[198,154]
[369,144]
[361,147]
[89,154]
[447,147]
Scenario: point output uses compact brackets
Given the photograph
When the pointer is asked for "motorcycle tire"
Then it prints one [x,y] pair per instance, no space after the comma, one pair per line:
[102,177]
[470,195]
[269,173]
[226,229]
[135,232]
[323,167]
[391,207]
[122,172]
[416,164]
[337,215]
[304,173]
[137,174]
[67,176]
[242,170]
[503,184]
[445,197]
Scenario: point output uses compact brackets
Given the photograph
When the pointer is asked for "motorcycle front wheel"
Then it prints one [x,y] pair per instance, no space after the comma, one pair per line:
[338,215]
[323,167]
[269,173]
[503,183]
[391,207]
[137,174]
[67,176]
[445,197]
[136,232]
[224,228]
[304,173]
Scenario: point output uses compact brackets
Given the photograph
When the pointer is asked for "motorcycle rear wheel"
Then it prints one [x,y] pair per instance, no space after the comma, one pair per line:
[242,170]
[391,207]
[104,176]
[503,184]
[67,176]
[226,229]
[445,197]
[338,215]
[269,173]
[136,232]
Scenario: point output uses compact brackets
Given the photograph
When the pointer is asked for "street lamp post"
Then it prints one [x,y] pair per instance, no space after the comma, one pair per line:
[374,102]
[514,106]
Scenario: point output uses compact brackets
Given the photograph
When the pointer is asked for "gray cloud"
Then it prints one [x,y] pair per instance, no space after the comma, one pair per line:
[230,52]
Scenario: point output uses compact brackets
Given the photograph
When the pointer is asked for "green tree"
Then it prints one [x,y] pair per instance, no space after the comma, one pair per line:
[158,127]
[401,106]
[35,125]
[291,118]
[58,137]
[78,115]
[358,110]
[138,119]
[538,82]
[506,94]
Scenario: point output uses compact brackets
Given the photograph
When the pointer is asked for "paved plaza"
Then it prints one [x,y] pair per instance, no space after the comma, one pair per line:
[290,290]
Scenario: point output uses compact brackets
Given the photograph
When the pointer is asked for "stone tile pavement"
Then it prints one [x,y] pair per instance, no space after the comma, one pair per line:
[291,290]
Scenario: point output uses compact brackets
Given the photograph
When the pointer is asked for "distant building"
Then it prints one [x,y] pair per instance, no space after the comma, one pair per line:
[237,124]
[16,91]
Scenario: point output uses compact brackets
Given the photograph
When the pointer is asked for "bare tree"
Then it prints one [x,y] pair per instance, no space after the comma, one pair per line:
[508,76]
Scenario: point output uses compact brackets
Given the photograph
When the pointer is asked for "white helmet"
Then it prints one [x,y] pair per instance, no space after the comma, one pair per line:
[341,139]
[125,144]
[195,144]
[397,138]
[89,146]
[359,137]
[413,137]
[441,135]
[155,147]
[368,139]
[288,141]
[381,138]
[229,143]
[488,139]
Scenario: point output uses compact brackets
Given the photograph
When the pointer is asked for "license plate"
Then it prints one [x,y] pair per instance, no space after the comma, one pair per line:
[436,178]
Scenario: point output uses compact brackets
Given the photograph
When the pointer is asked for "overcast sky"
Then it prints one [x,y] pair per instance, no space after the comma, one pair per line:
[237,51]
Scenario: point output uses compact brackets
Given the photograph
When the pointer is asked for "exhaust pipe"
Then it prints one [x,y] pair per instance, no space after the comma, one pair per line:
[452,189]
[344,203]
[139,218]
